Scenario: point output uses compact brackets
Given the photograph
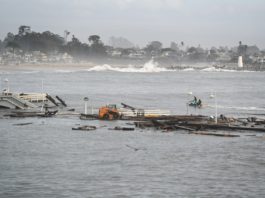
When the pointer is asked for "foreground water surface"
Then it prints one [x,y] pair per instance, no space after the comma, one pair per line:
[48,159]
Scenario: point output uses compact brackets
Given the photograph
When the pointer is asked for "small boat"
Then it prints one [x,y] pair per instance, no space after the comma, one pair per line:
[195,103]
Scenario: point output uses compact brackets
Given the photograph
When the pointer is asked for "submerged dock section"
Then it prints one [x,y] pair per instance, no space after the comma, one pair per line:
[14,101]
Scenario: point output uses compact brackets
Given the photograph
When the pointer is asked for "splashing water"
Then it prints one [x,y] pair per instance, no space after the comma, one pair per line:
[149,67]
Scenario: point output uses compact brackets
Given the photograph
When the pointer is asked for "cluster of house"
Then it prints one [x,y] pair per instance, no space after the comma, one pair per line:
[252,55]
[36,57]
[226,55]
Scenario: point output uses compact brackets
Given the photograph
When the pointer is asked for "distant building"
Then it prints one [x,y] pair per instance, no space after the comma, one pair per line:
[137,54]
[66,58]
[116,53]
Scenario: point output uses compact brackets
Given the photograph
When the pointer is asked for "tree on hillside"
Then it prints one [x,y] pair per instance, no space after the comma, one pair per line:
[153,48]
[9,37]
[34,41]
[192,50]
[156,45]
[1,46]
[94,39]
[213,54]
[76,49]
[174,46]
[12,45]
[197,54]
[97,47]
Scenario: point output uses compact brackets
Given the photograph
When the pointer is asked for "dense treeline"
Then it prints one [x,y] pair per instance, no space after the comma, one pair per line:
[49,42]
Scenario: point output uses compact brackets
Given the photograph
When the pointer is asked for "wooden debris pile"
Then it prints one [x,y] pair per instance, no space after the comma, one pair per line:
[203,123]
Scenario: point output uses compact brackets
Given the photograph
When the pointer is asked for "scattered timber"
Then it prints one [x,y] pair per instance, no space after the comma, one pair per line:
[214,134]
[62,101]
[23,124]
[52,100]
[117,128]
[85,128]
[24,114]
[88,116]
[134,148]
[198,123]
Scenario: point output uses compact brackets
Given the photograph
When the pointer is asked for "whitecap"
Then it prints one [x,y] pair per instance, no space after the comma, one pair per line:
[149,67]
[30,72]
[188,69]
[64,71]
[213,69]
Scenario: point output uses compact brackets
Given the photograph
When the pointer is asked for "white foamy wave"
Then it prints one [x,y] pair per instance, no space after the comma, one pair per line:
[149,67]
[213,69]
[64,71]
[188,69]
[30,72]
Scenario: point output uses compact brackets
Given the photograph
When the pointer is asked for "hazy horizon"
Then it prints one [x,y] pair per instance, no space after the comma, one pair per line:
[205,22]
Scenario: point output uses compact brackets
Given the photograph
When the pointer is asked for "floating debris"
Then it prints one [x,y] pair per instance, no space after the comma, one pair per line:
[23,124]
[214,134]
[198,123]
[117,128]
[24,114]
[88,116]
[85,128]
[134,148]
[62,101]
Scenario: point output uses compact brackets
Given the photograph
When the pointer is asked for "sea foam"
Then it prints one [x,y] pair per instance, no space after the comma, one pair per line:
[149,67]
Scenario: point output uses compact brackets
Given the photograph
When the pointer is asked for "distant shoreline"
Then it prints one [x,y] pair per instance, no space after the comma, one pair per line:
[89,65]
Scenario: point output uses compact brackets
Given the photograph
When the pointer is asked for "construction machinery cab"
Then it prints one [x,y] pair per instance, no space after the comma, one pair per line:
[112,106]
[109,112]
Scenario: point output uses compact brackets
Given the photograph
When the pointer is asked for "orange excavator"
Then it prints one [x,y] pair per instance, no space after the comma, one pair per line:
[109,112]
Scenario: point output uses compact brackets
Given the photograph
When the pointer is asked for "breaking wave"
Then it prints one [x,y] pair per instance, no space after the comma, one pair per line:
[64,71]
[30,72]
[153,67]
[149,67]
[213,69]
[189,69]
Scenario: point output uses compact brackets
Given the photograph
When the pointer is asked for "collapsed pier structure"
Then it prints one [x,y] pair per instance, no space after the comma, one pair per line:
[23,101]
[33,104]
[30,104]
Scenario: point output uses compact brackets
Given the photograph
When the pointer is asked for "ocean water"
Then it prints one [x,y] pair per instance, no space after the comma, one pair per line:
[48,159]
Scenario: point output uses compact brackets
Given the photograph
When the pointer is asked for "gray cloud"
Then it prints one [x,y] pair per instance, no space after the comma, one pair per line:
[204,22]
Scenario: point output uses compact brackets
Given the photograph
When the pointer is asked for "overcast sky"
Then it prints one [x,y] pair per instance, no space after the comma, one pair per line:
[204,22]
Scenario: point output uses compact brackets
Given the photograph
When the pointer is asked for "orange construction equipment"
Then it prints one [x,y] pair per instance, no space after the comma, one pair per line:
[109,112]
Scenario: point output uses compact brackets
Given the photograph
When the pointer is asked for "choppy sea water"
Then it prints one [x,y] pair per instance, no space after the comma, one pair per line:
[48,159]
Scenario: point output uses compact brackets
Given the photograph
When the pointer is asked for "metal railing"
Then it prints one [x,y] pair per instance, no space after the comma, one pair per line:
[17,102]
